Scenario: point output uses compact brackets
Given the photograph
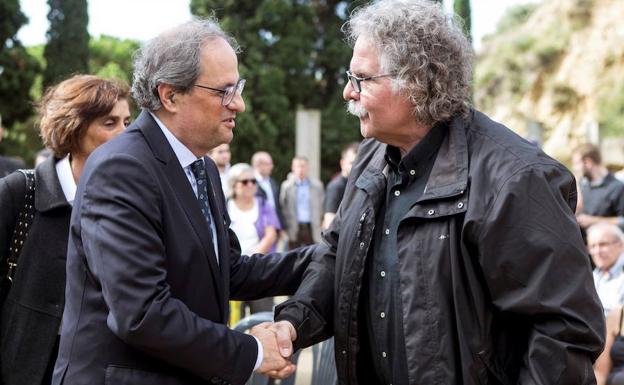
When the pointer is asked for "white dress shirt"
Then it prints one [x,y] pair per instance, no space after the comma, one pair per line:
[66,178]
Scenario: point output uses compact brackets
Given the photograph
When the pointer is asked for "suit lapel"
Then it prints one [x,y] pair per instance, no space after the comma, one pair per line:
[183,191]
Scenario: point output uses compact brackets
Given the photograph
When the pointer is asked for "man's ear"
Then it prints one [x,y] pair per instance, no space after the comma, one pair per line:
[167,96]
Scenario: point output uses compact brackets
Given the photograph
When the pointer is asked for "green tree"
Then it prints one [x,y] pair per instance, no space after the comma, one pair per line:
[17,74]
[17,68]
[462,9]
[293,56]
[67,50]
[111,57]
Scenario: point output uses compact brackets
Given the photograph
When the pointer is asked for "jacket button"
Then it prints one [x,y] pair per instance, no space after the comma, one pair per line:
[431,212]
[362,245]
[460,205]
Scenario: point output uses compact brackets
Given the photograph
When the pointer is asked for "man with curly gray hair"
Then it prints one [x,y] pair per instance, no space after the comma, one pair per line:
[454,257]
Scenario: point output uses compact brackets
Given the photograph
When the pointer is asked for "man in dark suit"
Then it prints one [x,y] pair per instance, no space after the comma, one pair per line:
[268,188]
[151,261]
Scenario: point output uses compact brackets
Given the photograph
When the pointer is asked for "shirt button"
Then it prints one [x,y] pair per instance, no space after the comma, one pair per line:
[383,273]
[344,352]
[387,231]
[383,354]
[431,212]
[397,193]
[382,315]
[412,172]
[460,205]
[362,245]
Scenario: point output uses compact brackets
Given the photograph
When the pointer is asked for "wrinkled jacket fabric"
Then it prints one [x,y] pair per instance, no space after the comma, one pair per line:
[495,283]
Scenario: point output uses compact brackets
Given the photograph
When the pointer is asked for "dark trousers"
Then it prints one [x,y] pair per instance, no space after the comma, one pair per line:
[304,236]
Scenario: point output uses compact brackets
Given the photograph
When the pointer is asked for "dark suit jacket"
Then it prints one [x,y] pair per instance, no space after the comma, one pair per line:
[276,193]
[31,314]
[146,300]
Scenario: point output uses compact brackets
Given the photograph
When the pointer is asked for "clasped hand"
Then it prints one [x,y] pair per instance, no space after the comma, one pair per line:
[276,339]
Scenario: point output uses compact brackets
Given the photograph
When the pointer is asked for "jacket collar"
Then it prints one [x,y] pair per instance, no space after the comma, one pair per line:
[154,136]
[449,175]
[48,192]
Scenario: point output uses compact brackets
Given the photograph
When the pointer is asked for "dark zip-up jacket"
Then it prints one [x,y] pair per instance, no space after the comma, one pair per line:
[495,283]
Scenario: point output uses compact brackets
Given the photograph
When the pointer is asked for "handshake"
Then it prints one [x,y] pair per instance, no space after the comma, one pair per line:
[276,339]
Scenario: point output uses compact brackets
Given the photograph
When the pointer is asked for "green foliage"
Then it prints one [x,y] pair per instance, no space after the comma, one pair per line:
[564,98]
[611,111]
[17,74]
[462,9]
[111,57]
[67,51]
[17,67]
[515,16]
[293,55]
[581,13]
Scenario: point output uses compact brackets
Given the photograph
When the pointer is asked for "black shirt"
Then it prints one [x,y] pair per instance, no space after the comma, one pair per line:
[334,192]
[381,299]
[604,199]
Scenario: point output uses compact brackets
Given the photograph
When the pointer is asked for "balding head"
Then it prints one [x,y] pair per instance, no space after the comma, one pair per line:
[262,163]
[605,242]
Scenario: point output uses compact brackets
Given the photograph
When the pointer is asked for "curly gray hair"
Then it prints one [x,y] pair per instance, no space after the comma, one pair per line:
[424,48]
[173,58]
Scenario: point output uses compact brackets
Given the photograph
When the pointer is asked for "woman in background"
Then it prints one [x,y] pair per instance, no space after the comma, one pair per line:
[253,220]
[77,116]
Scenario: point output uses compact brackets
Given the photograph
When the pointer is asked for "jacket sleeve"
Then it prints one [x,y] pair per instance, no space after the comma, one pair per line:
[121,232]
[311,309]
[537,270]
[258,276]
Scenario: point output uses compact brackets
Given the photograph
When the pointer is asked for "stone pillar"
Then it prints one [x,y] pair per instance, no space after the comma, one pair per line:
[308,138]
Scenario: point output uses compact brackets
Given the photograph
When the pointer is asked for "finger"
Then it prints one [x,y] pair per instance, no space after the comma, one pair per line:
[285,372]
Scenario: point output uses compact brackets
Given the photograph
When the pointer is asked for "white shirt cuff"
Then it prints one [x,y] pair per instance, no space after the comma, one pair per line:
[260,355]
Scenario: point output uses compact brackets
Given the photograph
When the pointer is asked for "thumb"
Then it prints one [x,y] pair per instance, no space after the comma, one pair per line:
[284,339]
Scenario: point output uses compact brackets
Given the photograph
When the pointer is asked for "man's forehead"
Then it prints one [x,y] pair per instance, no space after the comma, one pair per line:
[365,55]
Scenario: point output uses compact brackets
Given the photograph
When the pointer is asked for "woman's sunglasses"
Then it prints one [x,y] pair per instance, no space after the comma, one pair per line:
[245,182]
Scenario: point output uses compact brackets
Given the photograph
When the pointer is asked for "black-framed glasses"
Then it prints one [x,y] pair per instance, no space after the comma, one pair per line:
[227,94]
[356,81]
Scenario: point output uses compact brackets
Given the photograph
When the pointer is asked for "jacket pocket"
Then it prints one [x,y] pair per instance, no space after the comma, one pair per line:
[122,375]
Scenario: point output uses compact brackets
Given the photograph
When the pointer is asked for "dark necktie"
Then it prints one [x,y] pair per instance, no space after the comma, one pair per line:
[202,188]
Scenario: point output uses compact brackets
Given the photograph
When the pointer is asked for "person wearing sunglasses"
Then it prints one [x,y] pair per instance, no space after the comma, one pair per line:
[151,261]
[455,256]
[253,220]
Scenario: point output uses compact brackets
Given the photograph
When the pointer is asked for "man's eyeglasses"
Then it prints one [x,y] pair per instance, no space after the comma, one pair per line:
[245,182]
[227,94]
[356,82]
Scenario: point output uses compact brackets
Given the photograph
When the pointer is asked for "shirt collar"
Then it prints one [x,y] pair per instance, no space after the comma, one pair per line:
[66,179]
[301,182]
[260,178]
[184,155]
[422,151]
[615,270]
